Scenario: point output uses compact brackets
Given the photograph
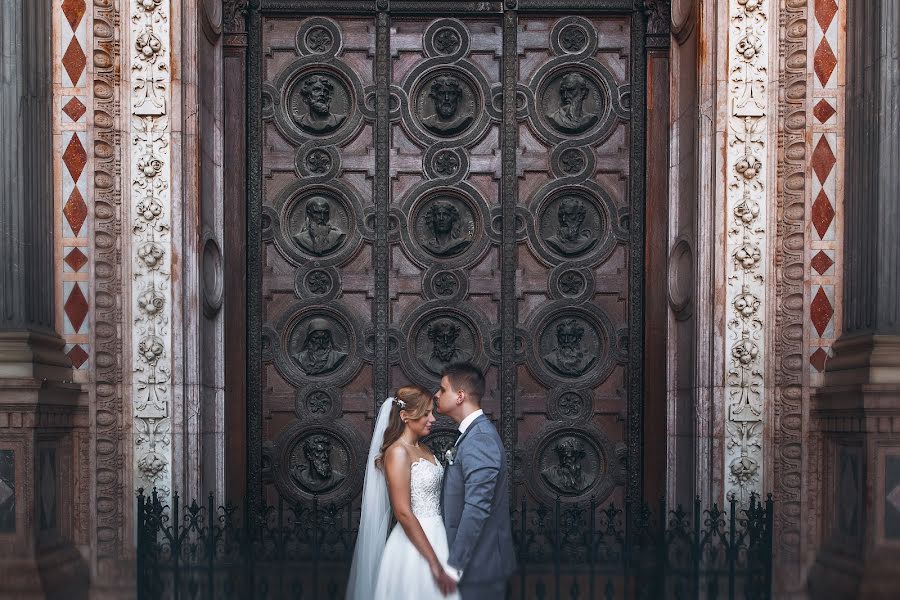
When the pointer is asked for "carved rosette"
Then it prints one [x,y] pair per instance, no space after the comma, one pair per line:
[151,211]
[746,198]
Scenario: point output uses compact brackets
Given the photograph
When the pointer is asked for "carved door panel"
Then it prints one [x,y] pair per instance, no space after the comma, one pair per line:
[576,256]
[317,197]
[391,147]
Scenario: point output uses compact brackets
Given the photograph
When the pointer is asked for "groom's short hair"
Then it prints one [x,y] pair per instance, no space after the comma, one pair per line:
[467,377]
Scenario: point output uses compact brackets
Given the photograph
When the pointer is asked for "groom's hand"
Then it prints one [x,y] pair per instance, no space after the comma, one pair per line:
[444,582]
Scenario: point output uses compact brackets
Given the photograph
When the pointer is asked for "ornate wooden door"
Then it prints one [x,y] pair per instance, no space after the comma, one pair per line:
[424,190]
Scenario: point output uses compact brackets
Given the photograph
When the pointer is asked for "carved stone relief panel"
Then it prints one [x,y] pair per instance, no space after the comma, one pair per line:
[316,190]
[576,189]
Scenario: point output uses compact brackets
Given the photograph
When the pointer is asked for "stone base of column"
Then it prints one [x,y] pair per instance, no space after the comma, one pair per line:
[32,354]
[857,414]
[59,573]
[44,487]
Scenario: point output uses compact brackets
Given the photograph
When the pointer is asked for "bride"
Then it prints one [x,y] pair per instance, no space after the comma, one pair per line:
[403,474]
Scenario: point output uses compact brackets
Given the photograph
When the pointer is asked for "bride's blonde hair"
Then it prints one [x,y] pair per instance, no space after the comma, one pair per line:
[417,402]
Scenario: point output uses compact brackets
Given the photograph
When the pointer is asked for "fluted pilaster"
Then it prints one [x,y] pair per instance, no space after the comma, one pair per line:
[872,197]
[26,177]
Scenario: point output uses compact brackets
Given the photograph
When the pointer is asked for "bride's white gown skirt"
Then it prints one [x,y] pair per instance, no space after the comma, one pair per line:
[404,572]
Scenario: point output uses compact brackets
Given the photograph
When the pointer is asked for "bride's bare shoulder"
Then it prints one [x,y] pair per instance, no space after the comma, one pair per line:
[397,454]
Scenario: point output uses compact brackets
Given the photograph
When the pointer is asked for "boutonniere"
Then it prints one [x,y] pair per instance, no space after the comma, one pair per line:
[450,455]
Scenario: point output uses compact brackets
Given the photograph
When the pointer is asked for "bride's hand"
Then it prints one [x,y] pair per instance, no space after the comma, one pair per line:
[444,582]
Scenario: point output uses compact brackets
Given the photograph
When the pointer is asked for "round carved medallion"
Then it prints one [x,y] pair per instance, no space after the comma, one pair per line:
[571,102]
[445,103]
[319,39]
[571,225]
[444,225]
[319,101]
[573,38]
[570,463]
[319,462]
[319,224]
[443,340]
[570,346]
[319,345]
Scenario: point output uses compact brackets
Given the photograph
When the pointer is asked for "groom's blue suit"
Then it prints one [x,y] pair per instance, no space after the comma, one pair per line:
[475,499]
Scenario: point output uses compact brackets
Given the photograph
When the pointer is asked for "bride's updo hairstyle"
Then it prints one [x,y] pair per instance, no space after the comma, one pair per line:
[417,402]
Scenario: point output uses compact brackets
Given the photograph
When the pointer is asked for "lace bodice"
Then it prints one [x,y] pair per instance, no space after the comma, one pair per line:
[425,488]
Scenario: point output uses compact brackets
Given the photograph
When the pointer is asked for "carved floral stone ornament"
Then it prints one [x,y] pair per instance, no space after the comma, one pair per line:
[151,349]
[319,282]
[149,166]
[571,283]
[151,302]
[151,255]
[149,5]
[748,256]
[573,38]
[318,162]
[446,163]
[749,167]
[148,45]
[445,284]
[446,40]
[319,40]
[572,161]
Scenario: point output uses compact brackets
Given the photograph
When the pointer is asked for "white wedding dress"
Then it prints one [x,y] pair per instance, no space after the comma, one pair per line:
[390,568]
[404,572]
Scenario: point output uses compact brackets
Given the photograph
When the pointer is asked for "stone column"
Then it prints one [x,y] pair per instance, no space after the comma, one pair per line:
[858,409]
[39,405]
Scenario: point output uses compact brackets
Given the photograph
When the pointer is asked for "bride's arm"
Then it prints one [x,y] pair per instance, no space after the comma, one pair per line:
[397,472]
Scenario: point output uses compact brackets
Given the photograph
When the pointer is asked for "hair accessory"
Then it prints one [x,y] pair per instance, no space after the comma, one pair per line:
[400,403]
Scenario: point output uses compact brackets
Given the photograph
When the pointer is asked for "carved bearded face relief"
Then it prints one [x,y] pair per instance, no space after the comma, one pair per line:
[316,91]
[445,92]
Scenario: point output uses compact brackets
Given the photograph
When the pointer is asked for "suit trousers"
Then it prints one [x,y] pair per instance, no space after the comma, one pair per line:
[489,590]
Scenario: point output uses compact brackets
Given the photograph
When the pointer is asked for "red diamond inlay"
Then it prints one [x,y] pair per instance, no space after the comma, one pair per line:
[823,159]
[76,307]
[76,259]
[74,108]
[75,211]
[821,311]
[78,356]
[74,60]
[821,262]
[74,10]
[825,11]
[823,110]
[822,213]
[75,157]
[824,61]
[817,359]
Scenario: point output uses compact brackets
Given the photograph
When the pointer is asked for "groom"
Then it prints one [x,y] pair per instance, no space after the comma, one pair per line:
[475,496]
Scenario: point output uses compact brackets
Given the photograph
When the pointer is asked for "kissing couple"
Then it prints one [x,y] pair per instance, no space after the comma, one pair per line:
[453,537]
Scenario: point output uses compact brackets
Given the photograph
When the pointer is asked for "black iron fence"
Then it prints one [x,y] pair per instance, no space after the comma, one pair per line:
[566,551]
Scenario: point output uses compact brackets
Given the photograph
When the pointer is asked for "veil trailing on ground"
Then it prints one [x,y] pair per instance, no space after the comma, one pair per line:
[374,517]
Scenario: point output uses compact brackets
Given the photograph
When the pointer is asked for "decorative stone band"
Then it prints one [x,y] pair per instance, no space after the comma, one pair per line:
[151,212]
[746,199]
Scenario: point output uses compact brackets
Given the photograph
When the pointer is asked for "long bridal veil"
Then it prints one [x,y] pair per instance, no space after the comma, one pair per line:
[374,517]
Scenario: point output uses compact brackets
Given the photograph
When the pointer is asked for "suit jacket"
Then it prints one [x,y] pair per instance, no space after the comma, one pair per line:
[475,500]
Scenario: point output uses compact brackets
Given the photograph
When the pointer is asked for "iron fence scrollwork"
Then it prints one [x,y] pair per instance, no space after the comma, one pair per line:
[565,551]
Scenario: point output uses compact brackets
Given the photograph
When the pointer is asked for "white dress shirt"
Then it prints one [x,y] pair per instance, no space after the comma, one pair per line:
[468,421]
